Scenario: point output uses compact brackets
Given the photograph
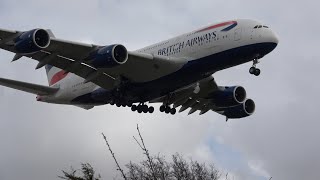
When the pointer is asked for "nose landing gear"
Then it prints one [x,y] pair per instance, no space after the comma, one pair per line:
[253,69]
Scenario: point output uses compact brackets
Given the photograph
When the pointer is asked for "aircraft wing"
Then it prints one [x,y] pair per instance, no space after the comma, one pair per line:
[28,87]
[73,57]
[192,97]
[202,97]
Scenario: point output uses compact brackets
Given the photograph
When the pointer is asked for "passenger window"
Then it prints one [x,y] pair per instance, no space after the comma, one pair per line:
[265,26]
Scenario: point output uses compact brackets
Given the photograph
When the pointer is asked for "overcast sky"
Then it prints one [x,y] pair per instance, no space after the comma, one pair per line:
[279,140]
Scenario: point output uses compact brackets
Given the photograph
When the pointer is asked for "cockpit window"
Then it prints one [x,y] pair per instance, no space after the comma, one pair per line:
[260,26]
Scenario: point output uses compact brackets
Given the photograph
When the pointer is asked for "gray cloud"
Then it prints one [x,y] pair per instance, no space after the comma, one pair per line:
[280,139]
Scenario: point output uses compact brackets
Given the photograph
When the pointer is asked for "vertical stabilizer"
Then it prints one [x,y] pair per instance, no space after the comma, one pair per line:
[54,74]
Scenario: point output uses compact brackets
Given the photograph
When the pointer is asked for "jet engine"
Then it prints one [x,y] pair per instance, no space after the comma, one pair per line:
[32,41]
[228,96]
[109,56]
[240,111]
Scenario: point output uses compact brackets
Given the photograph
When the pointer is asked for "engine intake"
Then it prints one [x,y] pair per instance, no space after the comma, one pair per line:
[32,41]
[109,56]
[228,96]
[242,110]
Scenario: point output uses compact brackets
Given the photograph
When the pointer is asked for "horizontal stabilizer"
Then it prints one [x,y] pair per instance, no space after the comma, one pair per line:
[28,87]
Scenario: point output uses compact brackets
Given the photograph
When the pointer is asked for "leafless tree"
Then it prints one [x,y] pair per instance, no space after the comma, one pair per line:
[153,167]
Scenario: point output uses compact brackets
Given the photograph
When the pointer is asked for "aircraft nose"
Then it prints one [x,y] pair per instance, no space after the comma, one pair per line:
[273,38]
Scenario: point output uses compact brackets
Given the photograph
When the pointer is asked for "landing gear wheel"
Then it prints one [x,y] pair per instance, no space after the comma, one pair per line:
[139,109]
[173,111]
[145,109]
[257,72]
[162,108]
[151,109]
[252,70]
[133,108]
[167,110]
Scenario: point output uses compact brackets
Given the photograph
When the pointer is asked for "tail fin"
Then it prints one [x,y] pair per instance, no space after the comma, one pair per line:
[54,74]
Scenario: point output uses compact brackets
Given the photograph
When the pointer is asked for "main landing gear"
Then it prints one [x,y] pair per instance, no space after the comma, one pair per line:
[142,108]
[253,69]
[120,103]
[167,109]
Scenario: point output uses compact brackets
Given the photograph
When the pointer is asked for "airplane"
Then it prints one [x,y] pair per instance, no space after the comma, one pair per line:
[177,72]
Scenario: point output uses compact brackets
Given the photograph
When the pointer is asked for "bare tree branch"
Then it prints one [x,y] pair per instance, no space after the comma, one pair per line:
[138,142]
[152,168]
[118,166]
[146,152]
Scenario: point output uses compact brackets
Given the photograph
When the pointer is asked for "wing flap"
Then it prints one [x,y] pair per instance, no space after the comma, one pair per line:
[85,71]
[73,50]
[28,87]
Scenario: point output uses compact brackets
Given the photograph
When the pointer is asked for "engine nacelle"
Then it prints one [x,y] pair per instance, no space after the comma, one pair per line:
[32,41]
[109,56]
[228,96]
[242,110]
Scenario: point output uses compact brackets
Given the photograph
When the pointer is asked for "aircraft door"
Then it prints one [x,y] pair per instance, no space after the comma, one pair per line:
[237,34]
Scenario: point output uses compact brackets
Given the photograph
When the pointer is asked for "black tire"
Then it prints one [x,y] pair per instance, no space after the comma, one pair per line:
[167,110]
[118,105]
[257,72]
[151,109]
[252,70]
[145,109]
[162,108]
[139,109]
[173,111]
[133,108]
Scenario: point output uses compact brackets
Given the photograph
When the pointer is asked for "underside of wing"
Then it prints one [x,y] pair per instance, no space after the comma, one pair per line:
[206,96]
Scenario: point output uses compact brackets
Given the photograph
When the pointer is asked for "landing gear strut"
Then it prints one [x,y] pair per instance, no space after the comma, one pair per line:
[253,69]
[165,107]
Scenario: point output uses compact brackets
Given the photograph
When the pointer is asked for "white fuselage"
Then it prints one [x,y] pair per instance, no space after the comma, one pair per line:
[193,46]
